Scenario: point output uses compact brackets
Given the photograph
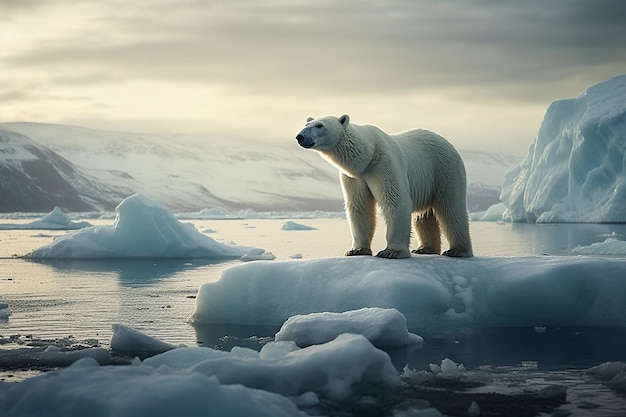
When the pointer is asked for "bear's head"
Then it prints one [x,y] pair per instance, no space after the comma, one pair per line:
[324,133]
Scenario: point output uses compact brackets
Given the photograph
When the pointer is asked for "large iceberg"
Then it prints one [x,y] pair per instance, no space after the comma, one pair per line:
[143,228]
[575,170]
[432,292]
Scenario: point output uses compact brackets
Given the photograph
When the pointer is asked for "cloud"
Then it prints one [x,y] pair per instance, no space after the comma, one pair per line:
[484,69]
[479,50]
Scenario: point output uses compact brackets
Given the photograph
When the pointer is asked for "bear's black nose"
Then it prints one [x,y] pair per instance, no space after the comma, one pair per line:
[306,143]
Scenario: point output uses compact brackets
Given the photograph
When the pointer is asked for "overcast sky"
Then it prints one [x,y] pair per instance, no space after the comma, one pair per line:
[479,72]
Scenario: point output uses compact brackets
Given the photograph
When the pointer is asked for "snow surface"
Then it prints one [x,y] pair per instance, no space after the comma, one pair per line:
[291,225]
[382,327]
[55,220]
[430,291]
[143,228]
[575,170]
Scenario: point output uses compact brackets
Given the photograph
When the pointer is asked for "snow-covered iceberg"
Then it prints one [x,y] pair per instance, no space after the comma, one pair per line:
[430,291]
[143,228]
[575,170]
[55,220]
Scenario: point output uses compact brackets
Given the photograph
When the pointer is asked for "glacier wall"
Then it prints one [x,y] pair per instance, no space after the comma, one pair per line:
[575,170]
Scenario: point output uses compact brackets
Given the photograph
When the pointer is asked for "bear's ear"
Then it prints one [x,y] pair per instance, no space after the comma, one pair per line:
[344,120]
[308,119]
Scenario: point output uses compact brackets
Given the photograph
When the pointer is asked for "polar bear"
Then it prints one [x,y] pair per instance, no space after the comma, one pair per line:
[415,177]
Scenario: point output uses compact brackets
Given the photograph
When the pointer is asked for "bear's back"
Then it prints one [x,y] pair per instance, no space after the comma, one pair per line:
[426,151]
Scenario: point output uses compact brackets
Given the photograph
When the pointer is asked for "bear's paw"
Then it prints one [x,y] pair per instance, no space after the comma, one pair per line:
[424,250]
[458,253]
[393,254]
[359,252]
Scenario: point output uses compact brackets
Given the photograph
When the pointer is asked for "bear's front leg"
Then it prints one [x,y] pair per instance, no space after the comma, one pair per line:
[398,221]
[361,213]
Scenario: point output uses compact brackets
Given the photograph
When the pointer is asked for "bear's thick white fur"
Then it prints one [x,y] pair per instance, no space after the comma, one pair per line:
[415,177]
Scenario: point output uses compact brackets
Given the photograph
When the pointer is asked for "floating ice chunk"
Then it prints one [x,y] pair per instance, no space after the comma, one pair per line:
[86,389]
[295,256]
[258,255]
[50,356]
[55,220]
[331,369]
[290,225]
[613,373]
[448,368]
[53,356]
[493,213]
[610,246]
[382,327]
[143,228]
[131,342]
[607,370]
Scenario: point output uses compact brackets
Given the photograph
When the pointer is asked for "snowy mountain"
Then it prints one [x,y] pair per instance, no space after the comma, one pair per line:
[34,178]
[575,170]
[192,172]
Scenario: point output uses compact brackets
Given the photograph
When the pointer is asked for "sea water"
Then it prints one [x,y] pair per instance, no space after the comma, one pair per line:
[83,299]
[80,300]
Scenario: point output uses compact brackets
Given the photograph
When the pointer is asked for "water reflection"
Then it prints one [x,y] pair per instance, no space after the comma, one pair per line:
[534,348]
[522,239]
[225,337]
[131,272]
[560,239]
[544,349]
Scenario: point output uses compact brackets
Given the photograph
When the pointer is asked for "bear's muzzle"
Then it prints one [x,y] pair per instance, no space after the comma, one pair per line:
[305,142]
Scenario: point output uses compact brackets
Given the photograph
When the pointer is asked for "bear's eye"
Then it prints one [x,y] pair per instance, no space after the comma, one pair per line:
[319,126]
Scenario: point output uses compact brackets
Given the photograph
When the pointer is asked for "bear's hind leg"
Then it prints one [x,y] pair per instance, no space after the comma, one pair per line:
[428,233]
[455,226]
